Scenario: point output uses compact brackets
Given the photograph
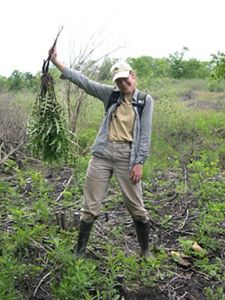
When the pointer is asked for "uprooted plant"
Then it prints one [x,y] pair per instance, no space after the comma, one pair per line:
[47,128]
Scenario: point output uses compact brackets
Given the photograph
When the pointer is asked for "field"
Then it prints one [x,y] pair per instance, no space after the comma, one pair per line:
[184,192]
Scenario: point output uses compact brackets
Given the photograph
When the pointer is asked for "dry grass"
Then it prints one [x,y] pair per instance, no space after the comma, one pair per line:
[12,126]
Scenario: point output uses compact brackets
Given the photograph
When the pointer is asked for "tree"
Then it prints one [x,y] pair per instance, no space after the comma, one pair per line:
[218,66]
[29,80]
[18,81]
[15,81]
[142,65]
[181,68]
[3,83]
[194,68]
[177,63]
[104,69]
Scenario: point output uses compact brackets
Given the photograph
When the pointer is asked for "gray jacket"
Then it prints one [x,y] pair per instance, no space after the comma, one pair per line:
[142,128]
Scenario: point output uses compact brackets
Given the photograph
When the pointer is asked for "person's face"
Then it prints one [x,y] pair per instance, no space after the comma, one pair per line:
[127,85]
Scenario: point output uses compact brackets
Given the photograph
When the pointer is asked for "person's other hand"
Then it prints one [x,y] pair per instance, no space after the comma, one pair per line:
[136,173]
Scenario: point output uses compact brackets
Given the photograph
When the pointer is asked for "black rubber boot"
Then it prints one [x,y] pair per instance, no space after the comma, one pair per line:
[84,233]
[142,230]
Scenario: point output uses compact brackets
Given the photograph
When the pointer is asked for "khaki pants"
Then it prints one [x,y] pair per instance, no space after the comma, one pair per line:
[115,161]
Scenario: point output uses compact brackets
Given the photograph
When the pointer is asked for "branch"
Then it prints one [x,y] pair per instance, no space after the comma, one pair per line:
[10,153]
[66,186]
[41,281]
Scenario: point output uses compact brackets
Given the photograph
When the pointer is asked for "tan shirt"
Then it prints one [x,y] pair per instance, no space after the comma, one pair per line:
[122,122]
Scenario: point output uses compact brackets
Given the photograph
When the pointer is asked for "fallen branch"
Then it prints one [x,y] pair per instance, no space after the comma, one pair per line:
[10,153]
[40,283]
[66,187]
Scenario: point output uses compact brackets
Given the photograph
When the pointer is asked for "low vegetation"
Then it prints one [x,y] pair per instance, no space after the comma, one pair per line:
[183,187]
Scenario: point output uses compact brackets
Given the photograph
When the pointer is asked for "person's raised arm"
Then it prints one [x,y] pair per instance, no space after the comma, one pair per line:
[96,89]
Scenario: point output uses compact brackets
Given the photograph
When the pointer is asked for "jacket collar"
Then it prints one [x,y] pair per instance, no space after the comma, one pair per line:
[135,95]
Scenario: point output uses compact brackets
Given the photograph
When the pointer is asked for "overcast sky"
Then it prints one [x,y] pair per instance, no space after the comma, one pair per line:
[145,27]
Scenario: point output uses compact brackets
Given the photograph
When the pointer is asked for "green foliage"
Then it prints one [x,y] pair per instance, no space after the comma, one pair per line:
[176,64]
[9,166]
[192,68]
[18,81]
[11,271]
[174,132]
[187,247]
[206,180]
[148,69]
[209,188]
[76,280]
[48,135]
[86,139]
[218,65]
[217,294]
[217,75]
[214,269]
[147,272]
[142,66]
[3,84]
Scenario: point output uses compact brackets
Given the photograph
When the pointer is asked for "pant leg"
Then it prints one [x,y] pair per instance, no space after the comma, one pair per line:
[132,193]
[98,175]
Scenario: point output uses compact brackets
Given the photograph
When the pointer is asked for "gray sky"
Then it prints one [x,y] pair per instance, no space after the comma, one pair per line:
[145,27]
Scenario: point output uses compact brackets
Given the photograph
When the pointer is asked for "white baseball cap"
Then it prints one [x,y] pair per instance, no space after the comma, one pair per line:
[120,70]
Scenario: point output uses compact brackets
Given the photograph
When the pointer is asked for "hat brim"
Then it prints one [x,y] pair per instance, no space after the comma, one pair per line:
[123,74]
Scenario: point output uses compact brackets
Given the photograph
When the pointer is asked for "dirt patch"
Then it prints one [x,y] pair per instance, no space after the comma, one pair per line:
[204,100]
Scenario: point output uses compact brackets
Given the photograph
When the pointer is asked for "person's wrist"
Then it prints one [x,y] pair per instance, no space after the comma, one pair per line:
[54,60]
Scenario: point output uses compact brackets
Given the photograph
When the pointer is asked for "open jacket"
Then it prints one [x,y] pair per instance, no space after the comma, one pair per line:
[142,127]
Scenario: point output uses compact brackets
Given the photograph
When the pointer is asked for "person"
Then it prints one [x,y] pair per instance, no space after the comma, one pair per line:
[120,148]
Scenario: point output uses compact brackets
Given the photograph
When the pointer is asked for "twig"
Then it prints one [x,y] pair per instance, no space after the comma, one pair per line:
[168,283]
[66,186]
[101,233]
[46,248]
[180,231]
[201,273]
[31,159]
[46,62]
[11,152]
[185,221]
[128,249]
[181,297]
[40,283]
[185,176]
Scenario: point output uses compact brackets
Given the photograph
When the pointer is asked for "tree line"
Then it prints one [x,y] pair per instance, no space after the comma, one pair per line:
[175,66]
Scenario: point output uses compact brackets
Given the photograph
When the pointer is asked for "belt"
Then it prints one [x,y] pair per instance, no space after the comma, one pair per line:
[125,143]
[120,142]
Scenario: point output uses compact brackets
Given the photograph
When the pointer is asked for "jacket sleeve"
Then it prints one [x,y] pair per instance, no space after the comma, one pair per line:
[145,131]
[93,88]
